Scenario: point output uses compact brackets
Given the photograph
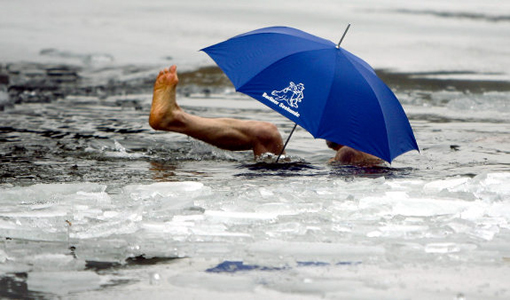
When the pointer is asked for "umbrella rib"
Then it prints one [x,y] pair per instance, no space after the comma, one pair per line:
[368,82]
[329,93]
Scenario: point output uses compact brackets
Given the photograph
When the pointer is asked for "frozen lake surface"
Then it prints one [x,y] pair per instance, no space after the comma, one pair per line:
[95,204]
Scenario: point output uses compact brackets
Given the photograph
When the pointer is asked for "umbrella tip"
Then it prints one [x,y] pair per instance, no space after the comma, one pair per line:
[343,35]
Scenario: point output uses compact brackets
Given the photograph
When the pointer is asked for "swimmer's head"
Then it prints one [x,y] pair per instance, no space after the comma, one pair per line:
[333,145]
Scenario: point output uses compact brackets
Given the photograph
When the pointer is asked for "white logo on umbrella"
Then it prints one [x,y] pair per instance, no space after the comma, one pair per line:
[293,94]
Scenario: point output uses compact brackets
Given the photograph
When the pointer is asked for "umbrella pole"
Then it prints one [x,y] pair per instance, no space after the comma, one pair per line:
[288,139]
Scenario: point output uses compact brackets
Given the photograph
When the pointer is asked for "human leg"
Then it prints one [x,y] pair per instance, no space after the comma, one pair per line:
[224,133]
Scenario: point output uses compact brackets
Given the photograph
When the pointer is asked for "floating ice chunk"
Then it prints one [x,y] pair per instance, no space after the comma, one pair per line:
[63,283]
[37,211]
[424,207]
[239,217]
[313,250]
[187,218]
[399,203]
[105,229]
[492,186]
[156,229]
[400,230]
[280,209]
[446,184]
[185,189]
[3,256]
[498,183]
[119,147]
[340,228]
[218,230]
[95,197]
[60,262]
[120,151]
[288,228]
[500,210]
[41,193]
[34,233]
[110,214]
[474,210]
[485,230]
[405,185]
[442,248]
[374,234]
[211,284]
[488,186]
[265,193]
[179,225]
[460,225]
[385,199]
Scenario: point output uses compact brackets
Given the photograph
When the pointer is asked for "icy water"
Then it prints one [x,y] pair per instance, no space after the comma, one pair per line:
[95,204]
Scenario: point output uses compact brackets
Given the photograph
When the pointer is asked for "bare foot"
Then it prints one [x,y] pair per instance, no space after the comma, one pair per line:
[165,112]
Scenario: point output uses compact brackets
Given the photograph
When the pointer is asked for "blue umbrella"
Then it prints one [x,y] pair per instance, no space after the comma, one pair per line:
[322,87]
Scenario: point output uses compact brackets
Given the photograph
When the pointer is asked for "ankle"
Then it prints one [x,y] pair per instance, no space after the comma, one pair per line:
[166,120]
[155,120]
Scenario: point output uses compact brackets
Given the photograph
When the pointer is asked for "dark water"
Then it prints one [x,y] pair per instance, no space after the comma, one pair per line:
[99,133]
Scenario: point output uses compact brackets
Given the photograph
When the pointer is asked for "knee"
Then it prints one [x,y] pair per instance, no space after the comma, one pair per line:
[268,133]
[266,138]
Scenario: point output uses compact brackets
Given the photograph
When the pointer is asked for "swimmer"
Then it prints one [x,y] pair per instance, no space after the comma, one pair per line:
[227,133]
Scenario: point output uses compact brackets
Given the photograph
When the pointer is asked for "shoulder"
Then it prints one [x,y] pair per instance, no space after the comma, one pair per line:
[347,155]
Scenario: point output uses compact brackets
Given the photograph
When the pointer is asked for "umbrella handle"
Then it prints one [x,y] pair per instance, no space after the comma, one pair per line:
[288,139]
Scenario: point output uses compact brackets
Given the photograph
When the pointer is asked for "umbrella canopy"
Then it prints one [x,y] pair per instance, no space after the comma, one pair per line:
[325,89]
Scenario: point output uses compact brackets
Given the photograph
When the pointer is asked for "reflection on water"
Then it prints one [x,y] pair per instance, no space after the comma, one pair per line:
[370,172]
[303,168]
[163,171]
[280,169]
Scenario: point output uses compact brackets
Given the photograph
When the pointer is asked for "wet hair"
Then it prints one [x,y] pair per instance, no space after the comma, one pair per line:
[333,145]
